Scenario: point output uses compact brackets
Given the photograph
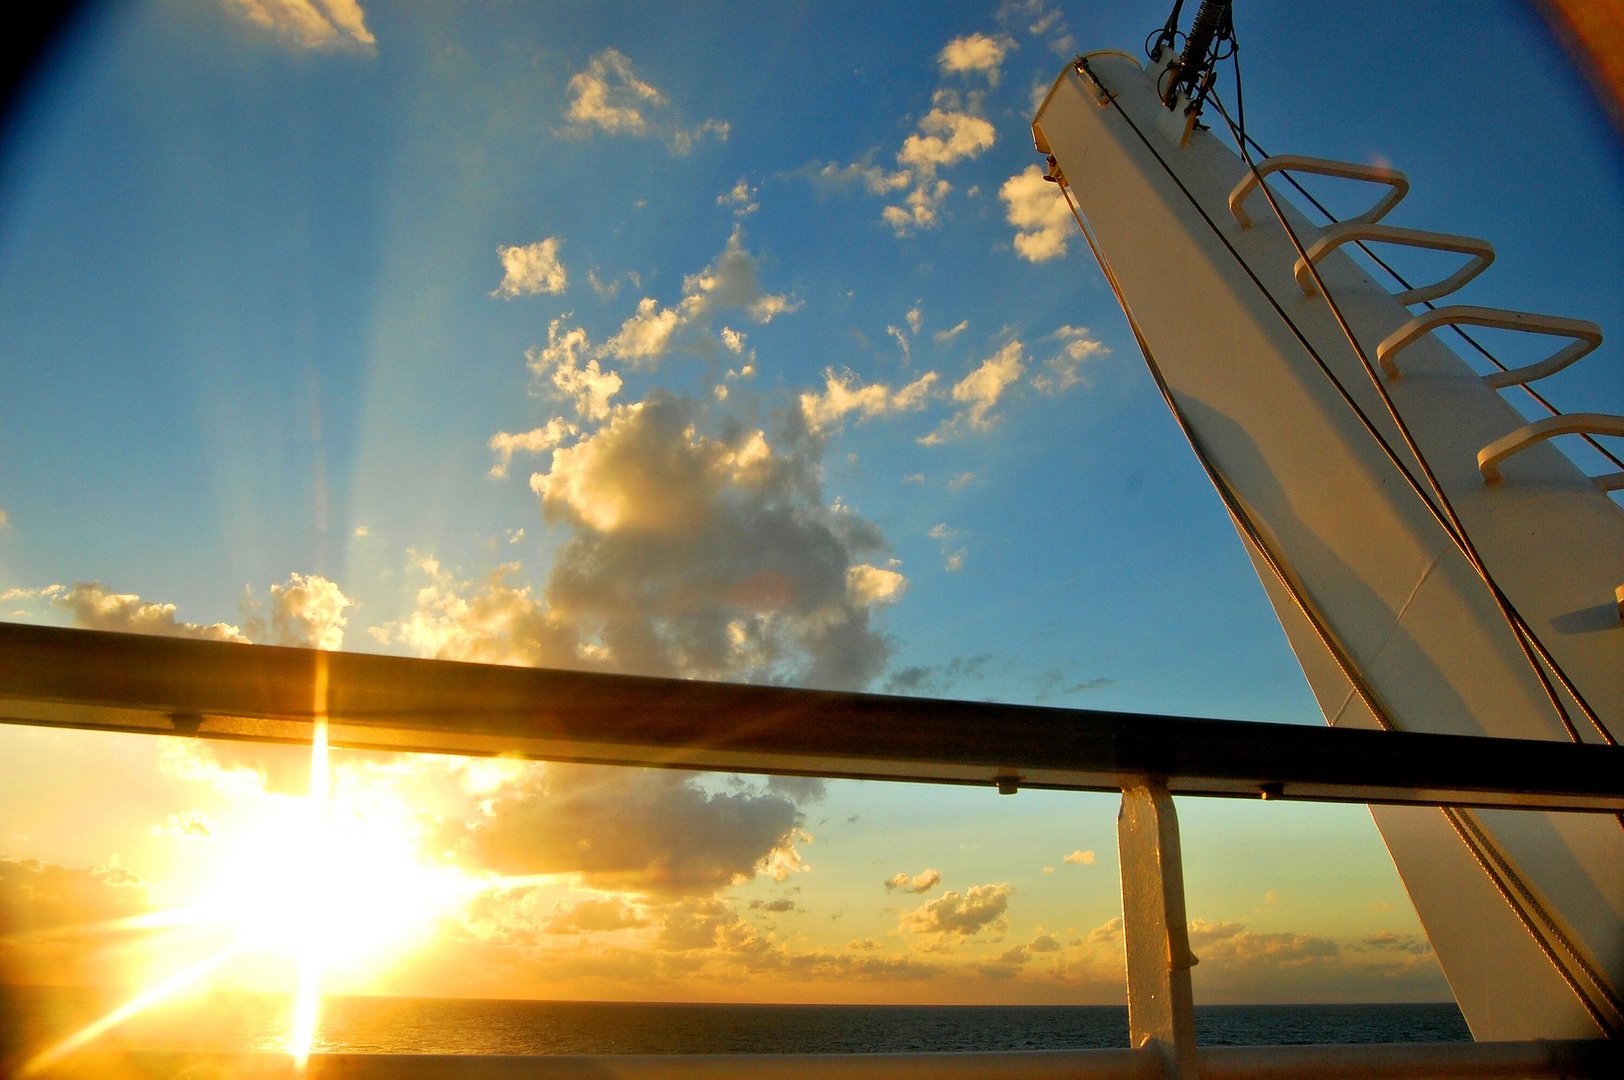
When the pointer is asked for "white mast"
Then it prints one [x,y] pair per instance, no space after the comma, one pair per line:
[1417,585]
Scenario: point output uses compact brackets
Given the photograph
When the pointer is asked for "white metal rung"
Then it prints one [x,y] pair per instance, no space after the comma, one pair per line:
[1397,182]
[1333,237]
[1586,336]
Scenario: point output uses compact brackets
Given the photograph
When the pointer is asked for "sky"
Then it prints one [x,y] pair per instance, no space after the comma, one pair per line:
[675,340]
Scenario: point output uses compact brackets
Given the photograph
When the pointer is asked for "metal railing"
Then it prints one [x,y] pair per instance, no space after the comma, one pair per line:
[217,690]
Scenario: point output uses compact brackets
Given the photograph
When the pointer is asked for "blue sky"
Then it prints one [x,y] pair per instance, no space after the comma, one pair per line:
[283,287]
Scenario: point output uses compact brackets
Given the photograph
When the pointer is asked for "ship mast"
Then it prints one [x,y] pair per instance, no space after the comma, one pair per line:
[1437,565]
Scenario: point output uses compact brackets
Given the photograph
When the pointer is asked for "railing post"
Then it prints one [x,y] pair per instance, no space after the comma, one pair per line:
[1161,1009]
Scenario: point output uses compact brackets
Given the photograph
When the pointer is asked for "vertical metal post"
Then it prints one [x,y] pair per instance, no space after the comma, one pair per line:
[1161,1009]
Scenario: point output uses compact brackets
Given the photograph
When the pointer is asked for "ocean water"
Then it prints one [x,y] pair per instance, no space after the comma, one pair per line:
[36,1017]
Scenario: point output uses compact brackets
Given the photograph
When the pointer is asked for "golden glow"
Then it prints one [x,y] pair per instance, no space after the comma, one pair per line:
[330,883]
[146,999]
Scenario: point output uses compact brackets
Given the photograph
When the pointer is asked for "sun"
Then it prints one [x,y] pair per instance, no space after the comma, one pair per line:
[328,887]
[341,881]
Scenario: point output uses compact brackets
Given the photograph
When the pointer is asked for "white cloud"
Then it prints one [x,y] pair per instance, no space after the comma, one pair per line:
[741,197]
[609,96]
[946,137]
[868,585]
[877,180]
[307,611]
[919,210]
[951,132]
[975,53]
[534,441]
[1080,857]
[979,392]
[312,24]
[842,396]
[1038,210]
[647,334]
[924,881]
[942,337]
[531,269]
[1064,370]
[729,283]
[491,622]
[573,374]
[95,608]
[980,907]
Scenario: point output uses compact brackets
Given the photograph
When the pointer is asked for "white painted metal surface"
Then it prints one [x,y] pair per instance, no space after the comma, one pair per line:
[1155,928]
[1393,622]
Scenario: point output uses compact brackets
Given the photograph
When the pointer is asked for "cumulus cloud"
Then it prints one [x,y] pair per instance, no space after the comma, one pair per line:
[609,96]
[868,585]
[307,611]
[567,366]
[843,395]
[647,334]
[531,269]
[979,392]
[1107,931]
[924,881]
[1064,370]
[95,608]
[652,832]
[492,621]
[952,131]
[310,24]
[535,441]
[919,210]
[1038,210]
[741,197]
[981,907]
[946,137]
[1232,943]
[37,896]
[707,554]
[1080,857]
[975,53]
[730,283]
[593,916]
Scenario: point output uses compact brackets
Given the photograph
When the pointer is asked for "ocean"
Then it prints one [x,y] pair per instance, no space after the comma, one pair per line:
[35,1017]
